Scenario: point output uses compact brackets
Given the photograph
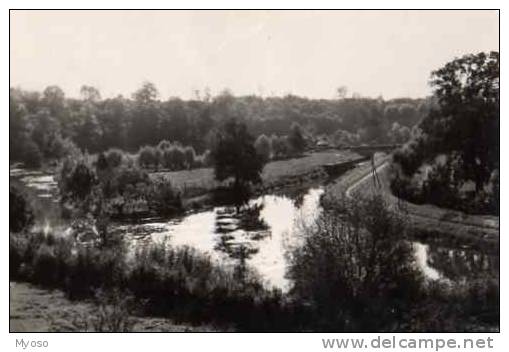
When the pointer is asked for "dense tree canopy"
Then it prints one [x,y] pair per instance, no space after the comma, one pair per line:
[235,156]
[458,141]
[96,124]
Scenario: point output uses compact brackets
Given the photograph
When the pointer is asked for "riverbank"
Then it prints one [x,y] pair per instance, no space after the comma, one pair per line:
[34,309]
[430,222]
[197,188]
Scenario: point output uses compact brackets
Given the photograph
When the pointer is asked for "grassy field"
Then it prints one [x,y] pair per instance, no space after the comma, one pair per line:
[34,309]
[199,181]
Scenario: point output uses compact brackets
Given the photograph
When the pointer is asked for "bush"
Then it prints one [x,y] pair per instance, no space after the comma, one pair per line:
[112,313]
[179,283]
[114,157]
[472,305]
[20,213]
[163,199]
[263,147]
[280,147]
[60,147]
[39,258]
[77,182]
[163,145]
[355,265]
[177,158]
[17,248]
[207,159]
[92,268]
[32,155]
[340,284]
[147,157]
[189,155]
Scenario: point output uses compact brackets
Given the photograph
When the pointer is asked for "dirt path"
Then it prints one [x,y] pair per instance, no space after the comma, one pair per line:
[32,309]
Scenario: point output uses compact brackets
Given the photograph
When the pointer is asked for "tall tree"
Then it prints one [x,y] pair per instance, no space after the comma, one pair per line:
[18,128]
[466,122]
[263,147]
[235,156]
[145,116]
[296,138]
[89,93]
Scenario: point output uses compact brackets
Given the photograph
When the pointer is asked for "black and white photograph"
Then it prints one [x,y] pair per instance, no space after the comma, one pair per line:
[226,171]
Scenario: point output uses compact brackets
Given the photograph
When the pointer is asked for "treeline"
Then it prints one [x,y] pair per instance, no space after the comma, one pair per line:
[49,125]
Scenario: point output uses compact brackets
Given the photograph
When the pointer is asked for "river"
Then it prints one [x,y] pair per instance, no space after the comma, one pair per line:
[263,233]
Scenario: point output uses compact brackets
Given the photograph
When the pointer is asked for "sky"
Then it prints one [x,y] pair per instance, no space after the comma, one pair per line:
[306,53]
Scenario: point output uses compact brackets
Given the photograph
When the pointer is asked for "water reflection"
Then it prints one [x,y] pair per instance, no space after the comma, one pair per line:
[461,264]
[261,233]
[257,235]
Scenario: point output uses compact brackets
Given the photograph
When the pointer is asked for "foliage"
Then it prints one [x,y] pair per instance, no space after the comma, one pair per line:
[112,312]
[20,213]
[119,192]
[185,285]
[32,156]
[263,147]
[179,283]
[464,129]
[76,181]
[355,265]
[114,157]
[190,156]
[147,157]
[280,146]
[399,134]
[95,124]
[296,138]
[163,198]
[344,138]
[235,156]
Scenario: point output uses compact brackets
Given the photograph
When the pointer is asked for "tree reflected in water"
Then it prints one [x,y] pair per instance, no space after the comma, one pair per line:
[461,264]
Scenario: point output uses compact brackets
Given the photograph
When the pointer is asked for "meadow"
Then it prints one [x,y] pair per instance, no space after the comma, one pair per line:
[199,181]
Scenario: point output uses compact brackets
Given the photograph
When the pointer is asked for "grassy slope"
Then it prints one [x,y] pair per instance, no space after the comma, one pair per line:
[431,220]
[428,210]
[198,181]
[38,310]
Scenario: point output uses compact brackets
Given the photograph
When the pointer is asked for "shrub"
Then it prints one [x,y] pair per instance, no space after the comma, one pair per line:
[177,158]
[280,147]
[44,265]
[60,147]
[20,213]
[189,155]
[112,313]
[76,179]
[17,248]
[472,305]
[92,268]
[147,157]
[163,199]
[263,147]
[114,157]
[39,258]
[296,138]
[163,145]
[355,265]
[32,155]
[207,159]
